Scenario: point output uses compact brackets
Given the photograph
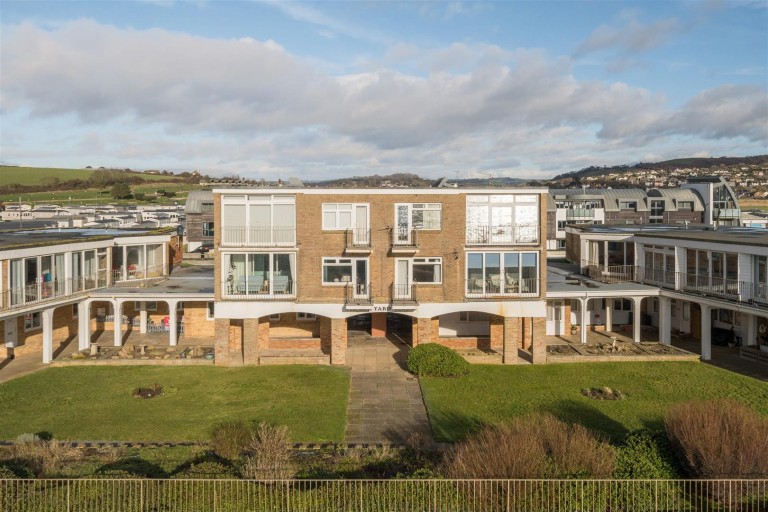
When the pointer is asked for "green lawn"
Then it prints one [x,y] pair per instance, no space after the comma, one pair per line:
[490,394]
[95,403]
[33,175]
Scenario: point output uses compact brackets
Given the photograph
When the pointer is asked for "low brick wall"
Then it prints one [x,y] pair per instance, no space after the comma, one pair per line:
[294,343]
[464,342]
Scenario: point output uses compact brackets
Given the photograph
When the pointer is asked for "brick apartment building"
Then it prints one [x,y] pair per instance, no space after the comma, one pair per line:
[296,268]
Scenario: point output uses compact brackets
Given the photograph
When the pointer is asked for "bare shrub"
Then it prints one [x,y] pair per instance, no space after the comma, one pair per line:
[719,439]
[536,446]
[230,438]
[43,457]
[270,457]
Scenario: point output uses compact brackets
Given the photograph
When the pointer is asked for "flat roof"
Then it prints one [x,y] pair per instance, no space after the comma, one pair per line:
[702,232]
[195,281]
[18,239]
[381,191]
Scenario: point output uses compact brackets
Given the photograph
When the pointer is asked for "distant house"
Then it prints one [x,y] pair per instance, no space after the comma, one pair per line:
[200,224]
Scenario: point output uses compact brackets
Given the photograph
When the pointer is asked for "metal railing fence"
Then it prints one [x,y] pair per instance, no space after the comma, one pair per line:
[486,235]
[258,236]
[140,495]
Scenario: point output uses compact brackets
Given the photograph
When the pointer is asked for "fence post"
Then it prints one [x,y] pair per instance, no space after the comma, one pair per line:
[141,495]
[68,495]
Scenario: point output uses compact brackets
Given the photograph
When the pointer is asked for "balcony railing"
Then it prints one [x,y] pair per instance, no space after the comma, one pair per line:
[493,287]
[403,238]
[269,236]
[403,293]
[358,293]
[357,239]
[725,213]
[136,273]
[277,288]
[502,235]
[46,291]
[729,289]
[579,213]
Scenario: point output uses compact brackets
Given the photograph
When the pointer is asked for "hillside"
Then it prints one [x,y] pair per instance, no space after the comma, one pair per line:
[698,163]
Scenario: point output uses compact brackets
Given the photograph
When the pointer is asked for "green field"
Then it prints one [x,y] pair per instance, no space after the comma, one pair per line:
[34,175]
[491,394]
[95,403]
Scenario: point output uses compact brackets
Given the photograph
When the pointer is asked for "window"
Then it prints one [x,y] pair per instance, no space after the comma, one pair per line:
[75,311]
[627,205]
[622,305]
[686,310]
[262,220]
[207,228]
[502,272]
[209,309]
[472,316]
[685,205]
[427,270]
[673,308]
[151,305]
[274,318]
[345,270]
[206,207]
[561,224]
[306,317]
[32,321]
[180,306]
[427,215]
[260,273]
[502,219]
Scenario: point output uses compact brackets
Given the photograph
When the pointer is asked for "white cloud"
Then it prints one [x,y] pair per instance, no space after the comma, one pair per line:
[250,106]
[632,37]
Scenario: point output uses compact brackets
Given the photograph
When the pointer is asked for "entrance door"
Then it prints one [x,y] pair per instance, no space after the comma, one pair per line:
[10,332]
[403,224]
[361,234]
[555,323]
[402,279]
[361,280]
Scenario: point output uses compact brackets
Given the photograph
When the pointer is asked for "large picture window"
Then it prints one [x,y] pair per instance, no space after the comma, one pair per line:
[427,270]
[261,273]
[502,219]
[502,273]
[258,220]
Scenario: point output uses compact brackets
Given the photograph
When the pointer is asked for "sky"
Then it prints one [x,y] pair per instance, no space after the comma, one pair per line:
[321,90]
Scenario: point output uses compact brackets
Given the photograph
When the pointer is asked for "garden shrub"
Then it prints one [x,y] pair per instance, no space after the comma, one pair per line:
[206,470]
[433,360]
[230,438]
[534,446]
[115,474]
[270,454]
[646,454]
[42,457]
[719,439]
[14,469]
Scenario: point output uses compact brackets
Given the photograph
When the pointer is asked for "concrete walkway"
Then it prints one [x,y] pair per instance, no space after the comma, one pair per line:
[385,403]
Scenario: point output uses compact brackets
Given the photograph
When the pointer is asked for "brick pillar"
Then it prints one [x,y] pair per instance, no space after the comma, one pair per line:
[338,341]
[325,335]
[435,330]
[424,329]
[539,346]
[263,329]
[229,342]
[511,338]
[496,331]
[567,317]
[378,325]
[414,332]
[251,341]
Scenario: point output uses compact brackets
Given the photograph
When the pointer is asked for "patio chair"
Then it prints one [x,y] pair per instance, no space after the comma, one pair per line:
[280,284]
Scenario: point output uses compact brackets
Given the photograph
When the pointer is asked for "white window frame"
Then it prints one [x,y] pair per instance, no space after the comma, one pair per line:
[148,305]
[337,262]
[427,207]
[208,226]
[351,208]
[274,317]
[627,205]
[306,317]
[427,262]
[35,325]
[472,316]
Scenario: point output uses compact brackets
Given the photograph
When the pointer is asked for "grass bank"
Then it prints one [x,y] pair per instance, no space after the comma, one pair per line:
[95,403]
[491,394]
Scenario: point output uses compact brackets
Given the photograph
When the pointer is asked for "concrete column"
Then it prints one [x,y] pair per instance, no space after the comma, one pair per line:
[378,325]
[750,333]
[84,325]
[637,303]
[173,328]
[511,340]
[143,317]
[117,307]
[583,319]
[47,318]
[706,332]
[608,314]
[338,340]
[665,320]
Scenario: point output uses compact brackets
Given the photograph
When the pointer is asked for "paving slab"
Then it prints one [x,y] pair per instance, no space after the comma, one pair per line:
[385,402]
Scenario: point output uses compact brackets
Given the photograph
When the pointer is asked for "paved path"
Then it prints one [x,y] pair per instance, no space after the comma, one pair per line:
[385,403]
